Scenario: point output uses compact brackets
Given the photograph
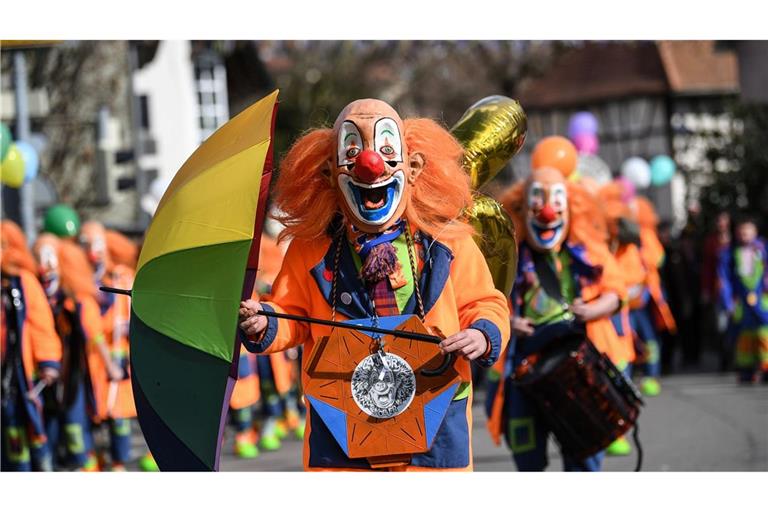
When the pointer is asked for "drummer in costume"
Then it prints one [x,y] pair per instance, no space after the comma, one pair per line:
[373,206]
[113,400]
[68,282]
[31,356]
[743,275]
[565,274]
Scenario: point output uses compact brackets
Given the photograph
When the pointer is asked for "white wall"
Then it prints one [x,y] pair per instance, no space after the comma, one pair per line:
[169,83]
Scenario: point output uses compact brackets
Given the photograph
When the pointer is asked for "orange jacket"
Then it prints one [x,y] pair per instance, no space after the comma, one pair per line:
[40,345]
[114,400]
[634,271]
[460,295]
[246,391]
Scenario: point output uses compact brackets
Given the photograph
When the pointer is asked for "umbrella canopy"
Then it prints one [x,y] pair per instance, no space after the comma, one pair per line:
[198,262]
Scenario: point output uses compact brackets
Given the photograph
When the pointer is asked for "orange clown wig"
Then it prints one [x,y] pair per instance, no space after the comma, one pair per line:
[15,254]
[121,250]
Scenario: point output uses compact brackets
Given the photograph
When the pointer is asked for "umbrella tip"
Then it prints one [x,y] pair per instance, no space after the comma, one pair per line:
[109,289]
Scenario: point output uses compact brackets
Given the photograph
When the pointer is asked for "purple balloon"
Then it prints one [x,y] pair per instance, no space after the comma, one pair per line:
[586,143]
[582,122]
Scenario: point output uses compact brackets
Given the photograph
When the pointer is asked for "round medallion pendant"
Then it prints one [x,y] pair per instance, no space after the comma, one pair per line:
[383,385]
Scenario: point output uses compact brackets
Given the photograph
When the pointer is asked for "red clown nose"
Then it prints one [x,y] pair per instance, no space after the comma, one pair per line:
[547,215]
[369,166]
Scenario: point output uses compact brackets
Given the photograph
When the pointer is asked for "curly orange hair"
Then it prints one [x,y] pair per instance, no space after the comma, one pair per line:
[646,213]
[308,201]
[513,201]
[610,196]
[121,250]
[75,269]
[588,222]
[14,252]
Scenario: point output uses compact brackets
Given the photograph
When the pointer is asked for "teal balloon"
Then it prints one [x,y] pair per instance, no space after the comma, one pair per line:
[662,170]
[31,159]
[5,141]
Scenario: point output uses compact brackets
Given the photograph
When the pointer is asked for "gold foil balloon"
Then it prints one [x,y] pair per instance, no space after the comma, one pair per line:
[496,239]
[492,131]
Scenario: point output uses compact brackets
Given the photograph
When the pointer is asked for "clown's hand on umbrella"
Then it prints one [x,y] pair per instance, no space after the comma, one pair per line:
[469,343]
[251,323]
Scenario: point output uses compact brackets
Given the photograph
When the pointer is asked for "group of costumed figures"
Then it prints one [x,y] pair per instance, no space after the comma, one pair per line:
[392,277]
[67,399]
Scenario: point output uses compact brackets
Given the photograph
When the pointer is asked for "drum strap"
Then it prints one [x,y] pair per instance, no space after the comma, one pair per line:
[548,277]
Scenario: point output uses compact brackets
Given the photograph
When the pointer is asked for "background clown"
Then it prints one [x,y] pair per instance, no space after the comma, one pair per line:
[565,274]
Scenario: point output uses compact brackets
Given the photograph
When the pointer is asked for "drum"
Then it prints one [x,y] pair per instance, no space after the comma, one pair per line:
[584,399]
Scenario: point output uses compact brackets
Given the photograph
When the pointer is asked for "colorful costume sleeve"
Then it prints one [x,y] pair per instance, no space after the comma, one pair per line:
[46,344]
[289,295]
[481,306]
[725,279]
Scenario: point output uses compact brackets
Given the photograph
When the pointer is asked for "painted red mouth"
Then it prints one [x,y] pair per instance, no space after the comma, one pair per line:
[374,198]
[547,234]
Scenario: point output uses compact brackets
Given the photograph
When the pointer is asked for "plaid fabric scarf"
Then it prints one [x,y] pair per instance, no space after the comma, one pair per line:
[380,265]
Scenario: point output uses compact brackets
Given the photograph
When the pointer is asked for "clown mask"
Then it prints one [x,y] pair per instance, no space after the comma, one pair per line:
[546,219]
[372,169]
[46,254]
[94,242]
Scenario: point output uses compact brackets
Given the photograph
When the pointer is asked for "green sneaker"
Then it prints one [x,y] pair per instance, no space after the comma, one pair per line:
[246,450]
[270,443]
[619,448]
[650,386]
[280,430]
[299,431]
[147,463]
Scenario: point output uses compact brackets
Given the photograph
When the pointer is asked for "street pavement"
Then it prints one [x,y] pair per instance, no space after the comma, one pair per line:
[700,422]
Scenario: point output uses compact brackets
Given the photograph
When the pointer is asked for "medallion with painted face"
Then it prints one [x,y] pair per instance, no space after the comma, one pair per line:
[546,218]
[372,170]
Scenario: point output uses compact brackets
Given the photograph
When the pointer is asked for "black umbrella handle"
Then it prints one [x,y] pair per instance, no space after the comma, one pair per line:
[429,338]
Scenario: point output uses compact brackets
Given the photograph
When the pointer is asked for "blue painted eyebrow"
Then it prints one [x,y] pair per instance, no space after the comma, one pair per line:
[349,135]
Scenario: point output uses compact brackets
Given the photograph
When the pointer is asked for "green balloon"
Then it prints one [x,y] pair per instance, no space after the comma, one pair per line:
[61,220]
[5,141]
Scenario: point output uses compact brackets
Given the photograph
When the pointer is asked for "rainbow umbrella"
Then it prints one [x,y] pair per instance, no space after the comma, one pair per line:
[198,262]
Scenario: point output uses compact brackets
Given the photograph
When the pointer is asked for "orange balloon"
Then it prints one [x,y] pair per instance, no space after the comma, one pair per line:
[557,152]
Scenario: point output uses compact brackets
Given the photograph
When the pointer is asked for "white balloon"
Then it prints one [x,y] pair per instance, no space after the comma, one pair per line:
[592,166]
[638,171]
